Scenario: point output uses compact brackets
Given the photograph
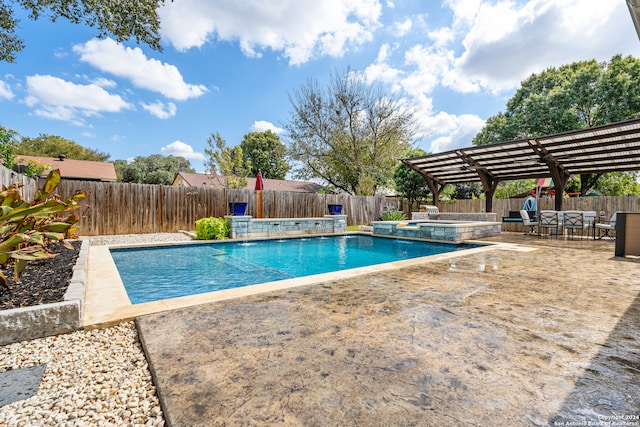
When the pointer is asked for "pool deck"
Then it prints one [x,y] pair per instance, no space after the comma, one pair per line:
[536,332]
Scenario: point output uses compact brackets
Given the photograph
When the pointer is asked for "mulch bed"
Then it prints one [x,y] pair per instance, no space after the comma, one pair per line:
[43,281]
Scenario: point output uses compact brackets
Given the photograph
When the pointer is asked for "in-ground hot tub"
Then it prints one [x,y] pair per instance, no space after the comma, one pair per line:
[449,231]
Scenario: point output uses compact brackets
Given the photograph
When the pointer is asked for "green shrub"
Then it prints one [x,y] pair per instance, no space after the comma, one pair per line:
[27,228]
[212,229]
[393,215]
[34,168]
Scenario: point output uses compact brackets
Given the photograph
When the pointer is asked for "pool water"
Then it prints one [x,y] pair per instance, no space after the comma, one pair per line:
[156,273]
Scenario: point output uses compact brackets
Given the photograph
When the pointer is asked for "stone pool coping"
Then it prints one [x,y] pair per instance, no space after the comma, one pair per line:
[107,302]
[27,323]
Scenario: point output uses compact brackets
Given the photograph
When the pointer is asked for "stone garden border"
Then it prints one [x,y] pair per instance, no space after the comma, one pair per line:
[27,323]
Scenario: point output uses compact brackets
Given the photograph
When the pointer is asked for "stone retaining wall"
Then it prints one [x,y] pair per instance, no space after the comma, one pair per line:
[466,216]
[26,323]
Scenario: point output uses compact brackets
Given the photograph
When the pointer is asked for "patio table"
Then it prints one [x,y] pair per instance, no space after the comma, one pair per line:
[588,216]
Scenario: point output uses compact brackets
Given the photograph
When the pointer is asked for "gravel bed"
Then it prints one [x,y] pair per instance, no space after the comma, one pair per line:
[125,239]
[98,377]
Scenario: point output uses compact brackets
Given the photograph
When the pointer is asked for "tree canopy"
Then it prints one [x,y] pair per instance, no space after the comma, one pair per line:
[153,169]
[8,143]
[123,20]
[349,134]
[266,153]
[230,162]
[53,146]
[572,97]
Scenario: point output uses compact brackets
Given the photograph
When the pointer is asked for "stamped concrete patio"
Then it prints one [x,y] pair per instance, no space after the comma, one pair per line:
[538,334]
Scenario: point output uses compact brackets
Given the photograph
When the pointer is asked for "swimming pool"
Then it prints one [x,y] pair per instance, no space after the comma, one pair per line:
[155,273]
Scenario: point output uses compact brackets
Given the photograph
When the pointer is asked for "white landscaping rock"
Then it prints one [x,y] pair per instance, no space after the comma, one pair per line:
[91,377]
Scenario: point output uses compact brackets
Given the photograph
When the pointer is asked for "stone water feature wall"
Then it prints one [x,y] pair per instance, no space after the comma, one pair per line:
[452,232]
[243,227]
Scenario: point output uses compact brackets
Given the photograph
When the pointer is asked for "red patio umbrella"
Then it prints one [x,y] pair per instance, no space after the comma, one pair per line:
[259,184]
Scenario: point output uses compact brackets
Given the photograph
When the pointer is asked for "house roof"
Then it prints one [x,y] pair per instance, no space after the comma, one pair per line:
[609,148]
[199,179]
[74,169]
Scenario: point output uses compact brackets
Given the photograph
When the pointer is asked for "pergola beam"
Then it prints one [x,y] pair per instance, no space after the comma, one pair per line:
[433,183]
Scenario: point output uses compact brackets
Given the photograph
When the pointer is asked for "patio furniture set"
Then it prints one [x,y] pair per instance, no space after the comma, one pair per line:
[569,222]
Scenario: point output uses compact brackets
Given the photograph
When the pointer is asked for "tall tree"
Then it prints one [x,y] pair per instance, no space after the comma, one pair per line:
[349,134]
[409,183]
[467,190]
[120,166]
[571,97]
[53,146]
[123,20]
[266,153]
[153,169]
[619,184]
[8,144]
[230,162]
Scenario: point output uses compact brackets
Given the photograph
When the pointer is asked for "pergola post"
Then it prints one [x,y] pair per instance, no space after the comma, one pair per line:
[435,189]
[489,184]
[560,177]
[432,183]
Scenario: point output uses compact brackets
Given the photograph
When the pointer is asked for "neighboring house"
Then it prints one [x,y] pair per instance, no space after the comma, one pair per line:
[199,179]
[83,170]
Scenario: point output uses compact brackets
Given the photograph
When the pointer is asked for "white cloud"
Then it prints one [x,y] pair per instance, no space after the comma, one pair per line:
[261,126]
[160,109]
[59,99]
[179,148]
[298,28]
[507,41]
[464,11]
[133,64]
[382,71]
[441,36]
[456,131]
[5,90]
[60,53]
[490,47]
[402,28]
[504,42]
[105,83]
[59,112]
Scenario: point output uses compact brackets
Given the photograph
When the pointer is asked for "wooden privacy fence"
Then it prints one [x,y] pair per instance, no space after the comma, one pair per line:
[124,208]
[29,185]
[605,205]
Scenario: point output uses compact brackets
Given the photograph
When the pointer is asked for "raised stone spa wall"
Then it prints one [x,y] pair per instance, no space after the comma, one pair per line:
[456,216]
[249,227]
[454,232]
[27,323]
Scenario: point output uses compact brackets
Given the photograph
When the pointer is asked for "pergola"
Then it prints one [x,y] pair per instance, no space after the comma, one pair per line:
[634,10]
[609,148]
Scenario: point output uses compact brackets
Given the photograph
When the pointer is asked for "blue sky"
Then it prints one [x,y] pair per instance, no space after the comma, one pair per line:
[228,66]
